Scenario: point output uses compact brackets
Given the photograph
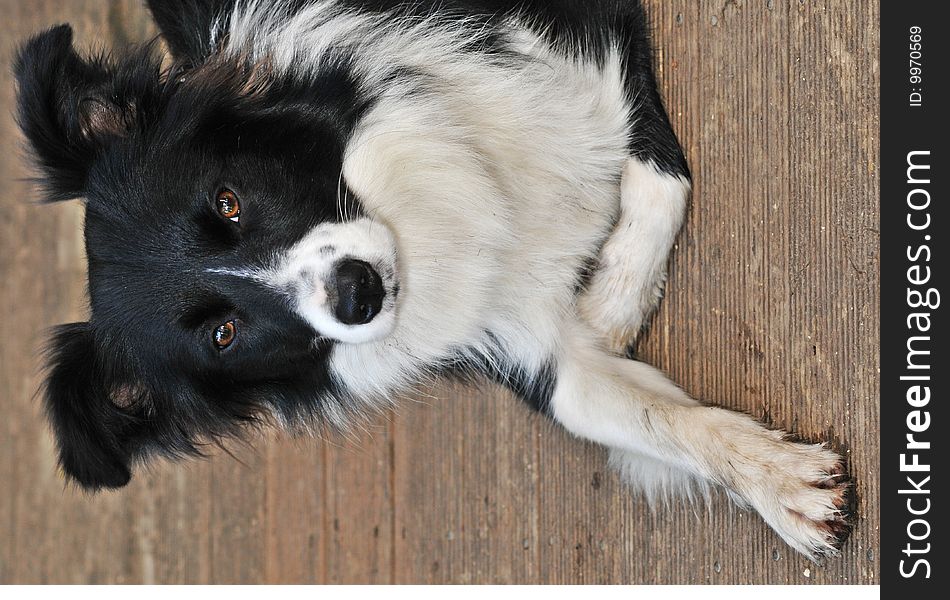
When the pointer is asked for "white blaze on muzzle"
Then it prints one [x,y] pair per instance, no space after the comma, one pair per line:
[342,279]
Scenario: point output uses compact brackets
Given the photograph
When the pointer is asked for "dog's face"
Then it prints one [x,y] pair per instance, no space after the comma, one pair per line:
[226,254]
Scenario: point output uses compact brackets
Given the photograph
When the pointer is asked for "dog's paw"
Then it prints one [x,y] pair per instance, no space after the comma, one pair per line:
[804,493]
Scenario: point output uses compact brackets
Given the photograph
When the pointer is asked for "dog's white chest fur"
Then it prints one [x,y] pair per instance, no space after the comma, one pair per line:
[499,181]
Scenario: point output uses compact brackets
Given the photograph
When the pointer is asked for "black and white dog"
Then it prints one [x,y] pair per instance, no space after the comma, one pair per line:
[312,205]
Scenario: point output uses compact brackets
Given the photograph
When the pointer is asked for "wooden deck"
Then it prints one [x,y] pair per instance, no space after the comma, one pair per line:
[772,309]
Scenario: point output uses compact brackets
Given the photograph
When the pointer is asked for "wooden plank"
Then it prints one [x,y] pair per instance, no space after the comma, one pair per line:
[359,503]
[295,510]
[466,493]
[762,262]
[173,525]
[41,253]
[836,307]
[725,326]
[238,530]
[51,534]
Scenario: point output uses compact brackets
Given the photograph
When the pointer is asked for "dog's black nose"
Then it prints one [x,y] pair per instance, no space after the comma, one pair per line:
[360,292]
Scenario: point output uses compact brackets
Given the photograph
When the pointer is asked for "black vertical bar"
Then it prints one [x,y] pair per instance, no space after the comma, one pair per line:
[915,373]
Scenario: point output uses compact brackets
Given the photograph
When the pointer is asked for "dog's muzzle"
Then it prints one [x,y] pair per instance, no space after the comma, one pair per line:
[342,280]
[359,292]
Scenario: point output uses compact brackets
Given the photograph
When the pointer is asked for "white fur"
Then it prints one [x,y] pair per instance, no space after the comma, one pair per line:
[629,280]
[498,180]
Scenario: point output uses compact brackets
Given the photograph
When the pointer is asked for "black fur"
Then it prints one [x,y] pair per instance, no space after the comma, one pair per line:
[149,150]
[536,389]
[96,438]
[533,386]
[188,26]
[586,25]
[69,107]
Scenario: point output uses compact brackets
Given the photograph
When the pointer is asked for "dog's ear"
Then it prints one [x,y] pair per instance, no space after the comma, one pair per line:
[191,28]
[69,109]
[88,408]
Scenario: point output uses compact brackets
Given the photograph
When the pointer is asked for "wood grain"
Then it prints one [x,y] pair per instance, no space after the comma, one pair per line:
[772,309]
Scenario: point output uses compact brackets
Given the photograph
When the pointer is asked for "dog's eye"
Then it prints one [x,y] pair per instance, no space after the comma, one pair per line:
[228,205]
[224,335]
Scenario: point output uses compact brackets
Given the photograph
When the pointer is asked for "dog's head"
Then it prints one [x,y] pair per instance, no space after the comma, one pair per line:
[226,254]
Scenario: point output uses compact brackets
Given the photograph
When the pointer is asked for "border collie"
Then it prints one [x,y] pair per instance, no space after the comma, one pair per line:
[310,206]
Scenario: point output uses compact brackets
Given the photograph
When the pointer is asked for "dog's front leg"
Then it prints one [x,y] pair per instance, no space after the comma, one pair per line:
[628,283]
[660,437]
